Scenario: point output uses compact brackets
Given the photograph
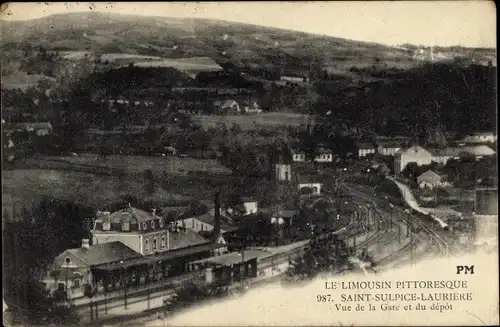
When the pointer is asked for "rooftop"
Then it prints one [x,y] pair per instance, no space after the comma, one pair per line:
[234,257]
[390,144]
[476,150]
[429,173]
[162,256]
[185,238]
[224,103]
[104,253]
[226,223]
[413,149]
[131,212]
[365,145]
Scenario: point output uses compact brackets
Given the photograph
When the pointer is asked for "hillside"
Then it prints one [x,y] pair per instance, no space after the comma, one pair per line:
[245,45]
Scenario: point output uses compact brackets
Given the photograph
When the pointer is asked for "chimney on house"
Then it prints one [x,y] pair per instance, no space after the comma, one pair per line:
[108,216]
[154,212]
[85,243]
[216,231]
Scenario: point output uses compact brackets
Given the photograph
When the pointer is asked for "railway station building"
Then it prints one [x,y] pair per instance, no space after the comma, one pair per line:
[129,246]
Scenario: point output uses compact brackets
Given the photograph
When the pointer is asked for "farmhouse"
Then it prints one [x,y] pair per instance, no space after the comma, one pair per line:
[365,149]
[323,155]
[298,156]
[251,107]
[227,106]
[415,154]
[429,179]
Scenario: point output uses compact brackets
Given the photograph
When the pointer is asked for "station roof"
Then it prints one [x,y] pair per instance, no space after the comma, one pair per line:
[233,257]
[167,255]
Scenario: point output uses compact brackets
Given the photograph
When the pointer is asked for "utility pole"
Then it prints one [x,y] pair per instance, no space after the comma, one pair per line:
[124,283]
[411,244]
[390,214]
[354,243]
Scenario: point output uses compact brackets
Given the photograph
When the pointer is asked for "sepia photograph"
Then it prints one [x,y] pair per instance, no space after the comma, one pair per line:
[266,163]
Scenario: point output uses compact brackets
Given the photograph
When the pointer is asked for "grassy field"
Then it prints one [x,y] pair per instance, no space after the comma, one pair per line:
[188,179]
[137,164]
[22,80]
[251,122]
[27,186]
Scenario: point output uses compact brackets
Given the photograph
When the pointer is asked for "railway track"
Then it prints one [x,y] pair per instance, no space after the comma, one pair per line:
[436,243]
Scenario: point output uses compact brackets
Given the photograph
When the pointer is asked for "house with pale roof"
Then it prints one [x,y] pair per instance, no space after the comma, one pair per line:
[442,156]
[429,179]
[250,107]
[415,153]
[481,137]
[323,155]
[227,106]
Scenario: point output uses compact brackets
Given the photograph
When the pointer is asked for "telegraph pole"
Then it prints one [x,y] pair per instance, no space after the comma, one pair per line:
[407,225]
[354,243]
[411,244]
[390,214]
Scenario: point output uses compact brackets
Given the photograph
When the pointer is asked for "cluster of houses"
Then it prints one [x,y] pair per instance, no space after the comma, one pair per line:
[475,145]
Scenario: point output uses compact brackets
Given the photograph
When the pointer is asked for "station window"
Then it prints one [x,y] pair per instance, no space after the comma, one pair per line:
[163,242]
[144,226]
[125,227]
[153,224]
[146,246]
[161,223]
[154,244]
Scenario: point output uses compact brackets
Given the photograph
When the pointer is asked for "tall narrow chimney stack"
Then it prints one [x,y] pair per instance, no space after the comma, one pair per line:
[85,243]
[216,231]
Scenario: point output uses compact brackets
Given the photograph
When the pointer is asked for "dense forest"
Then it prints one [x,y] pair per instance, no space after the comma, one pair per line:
[442,97]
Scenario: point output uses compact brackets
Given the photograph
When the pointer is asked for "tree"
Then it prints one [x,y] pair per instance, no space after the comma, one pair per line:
[323,254]
[149,182]
[190,293]
[164,182]
[32,302]
[411,171]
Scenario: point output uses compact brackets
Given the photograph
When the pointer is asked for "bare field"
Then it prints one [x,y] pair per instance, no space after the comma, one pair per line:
[251,122]
[183,64]
[23,80]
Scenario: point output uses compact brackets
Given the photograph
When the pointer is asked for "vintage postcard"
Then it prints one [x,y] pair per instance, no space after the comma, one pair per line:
[319,163]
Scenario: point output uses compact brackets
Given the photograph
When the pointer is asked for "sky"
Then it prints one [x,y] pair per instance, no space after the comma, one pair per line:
[444,23]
